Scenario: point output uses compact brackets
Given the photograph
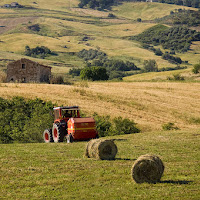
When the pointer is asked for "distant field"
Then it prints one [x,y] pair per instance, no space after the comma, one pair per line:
[63,26]
[149,104]
[145,11]
[59,171]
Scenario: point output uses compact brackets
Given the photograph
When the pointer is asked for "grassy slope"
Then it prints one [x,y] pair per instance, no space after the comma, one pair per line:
[145,11]
[56,17]
[59,171]
[149,104]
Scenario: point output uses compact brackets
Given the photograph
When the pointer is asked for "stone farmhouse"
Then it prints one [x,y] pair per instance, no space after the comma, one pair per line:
[12,5]
[25,71]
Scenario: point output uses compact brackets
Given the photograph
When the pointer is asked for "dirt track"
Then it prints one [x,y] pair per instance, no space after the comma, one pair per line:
[10,23]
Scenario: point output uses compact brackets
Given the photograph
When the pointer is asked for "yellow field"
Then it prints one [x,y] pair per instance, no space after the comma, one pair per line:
[148,104]
[145,11]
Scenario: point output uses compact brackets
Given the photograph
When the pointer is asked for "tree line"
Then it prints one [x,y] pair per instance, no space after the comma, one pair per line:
[188,3]
[96,4]
[24,121]
[176,38]
[181,17]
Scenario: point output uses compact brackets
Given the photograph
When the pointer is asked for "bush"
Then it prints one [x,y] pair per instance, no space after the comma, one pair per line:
[103,125]
[117,126]
[94,73]
[24,121]
[169,126]
[96,4]
[38,52]
[176,77]
[150,66]
[111,15]
[123,126]
[196,68]
[57,80]
[75,71]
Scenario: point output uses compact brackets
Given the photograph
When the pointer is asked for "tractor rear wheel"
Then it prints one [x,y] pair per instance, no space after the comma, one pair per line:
[58,133]
[47,135]
[70,138]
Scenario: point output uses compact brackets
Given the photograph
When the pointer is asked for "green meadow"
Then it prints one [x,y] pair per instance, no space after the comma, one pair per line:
[60,171]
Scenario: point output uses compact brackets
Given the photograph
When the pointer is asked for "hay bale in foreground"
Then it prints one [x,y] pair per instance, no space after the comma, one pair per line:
[101,149]
[147,168]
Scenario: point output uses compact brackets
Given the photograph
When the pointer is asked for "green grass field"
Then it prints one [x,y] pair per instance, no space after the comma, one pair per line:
[60,171]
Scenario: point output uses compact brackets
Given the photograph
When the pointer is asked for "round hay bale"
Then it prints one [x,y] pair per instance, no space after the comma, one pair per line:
[147,168]
[156,159]
[101,149]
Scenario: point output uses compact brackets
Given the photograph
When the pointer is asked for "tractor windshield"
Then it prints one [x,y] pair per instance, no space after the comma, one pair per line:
[69,113]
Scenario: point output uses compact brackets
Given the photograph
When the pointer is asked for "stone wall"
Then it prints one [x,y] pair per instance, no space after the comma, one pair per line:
[25,70]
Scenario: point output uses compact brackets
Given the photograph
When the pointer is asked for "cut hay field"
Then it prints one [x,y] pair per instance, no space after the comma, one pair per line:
[59,171]
[149,104]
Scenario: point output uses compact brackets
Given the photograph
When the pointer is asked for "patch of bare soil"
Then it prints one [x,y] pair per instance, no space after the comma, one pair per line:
[10,23]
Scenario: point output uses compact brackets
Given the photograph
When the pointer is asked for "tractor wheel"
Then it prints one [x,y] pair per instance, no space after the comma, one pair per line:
[70,138]
[58,133]
[47,135]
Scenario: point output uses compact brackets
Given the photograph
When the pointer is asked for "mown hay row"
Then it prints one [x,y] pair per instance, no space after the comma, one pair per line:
[101,149]
[147,168]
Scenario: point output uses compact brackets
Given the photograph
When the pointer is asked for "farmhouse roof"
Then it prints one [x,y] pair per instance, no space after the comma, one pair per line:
[27,60]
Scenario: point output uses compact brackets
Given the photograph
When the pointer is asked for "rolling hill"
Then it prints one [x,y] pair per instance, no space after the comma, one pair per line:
[63,27]
[59,170]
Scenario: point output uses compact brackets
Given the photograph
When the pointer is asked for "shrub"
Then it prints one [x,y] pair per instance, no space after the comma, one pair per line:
[178,77]
[111,15]
[124,126]
[169,126]
[57,80]
[75,71]
[94,73]
[150,66]
[103,125]
[24,121]
[196,68]
[40,52]
[117,126]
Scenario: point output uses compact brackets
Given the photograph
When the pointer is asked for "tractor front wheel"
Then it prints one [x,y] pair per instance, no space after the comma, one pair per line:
[70,138]
[58,133]
[47,135]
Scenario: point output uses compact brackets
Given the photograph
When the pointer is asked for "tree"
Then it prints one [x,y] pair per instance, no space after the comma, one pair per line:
[99,4]
[196,68]
[94,73]
[150,66]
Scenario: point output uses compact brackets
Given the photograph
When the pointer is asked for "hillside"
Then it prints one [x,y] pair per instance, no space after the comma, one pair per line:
[149,104]
[63,27]
[59,171]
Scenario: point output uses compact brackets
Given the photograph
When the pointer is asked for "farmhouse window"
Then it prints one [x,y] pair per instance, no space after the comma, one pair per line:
[24,80]
[23,66]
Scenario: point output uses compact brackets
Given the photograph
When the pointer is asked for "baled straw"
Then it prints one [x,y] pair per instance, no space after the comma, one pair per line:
[101,149]
[147,168]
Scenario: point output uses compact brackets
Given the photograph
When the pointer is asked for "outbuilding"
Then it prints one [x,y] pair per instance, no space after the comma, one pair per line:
[25,71]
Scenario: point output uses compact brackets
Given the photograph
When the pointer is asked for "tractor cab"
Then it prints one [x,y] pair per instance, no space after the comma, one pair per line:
[65,113]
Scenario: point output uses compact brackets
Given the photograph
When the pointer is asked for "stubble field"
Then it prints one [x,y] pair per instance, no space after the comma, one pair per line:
[149,104]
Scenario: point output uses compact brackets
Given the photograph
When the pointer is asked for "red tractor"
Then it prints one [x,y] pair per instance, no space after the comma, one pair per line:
[68,123]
